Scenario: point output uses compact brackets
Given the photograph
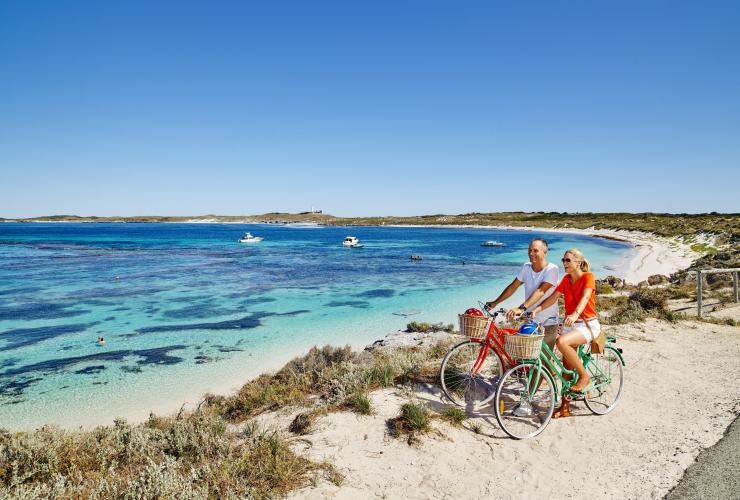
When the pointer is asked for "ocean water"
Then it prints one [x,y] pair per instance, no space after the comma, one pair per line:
[185,309]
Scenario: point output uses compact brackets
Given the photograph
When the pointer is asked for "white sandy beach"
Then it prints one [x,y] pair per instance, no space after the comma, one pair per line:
[655,254]
[675,403]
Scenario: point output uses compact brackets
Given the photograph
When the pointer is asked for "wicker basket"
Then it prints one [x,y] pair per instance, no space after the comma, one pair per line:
[520,346]
[473,326]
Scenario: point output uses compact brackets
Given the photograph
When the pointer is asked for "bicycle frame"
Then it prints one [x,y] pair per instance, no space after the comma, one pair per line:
[493,340]
[548,359]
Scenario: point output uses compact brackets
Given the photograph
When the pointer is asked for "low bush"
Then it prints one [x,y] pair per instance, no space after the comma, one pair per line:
[414,418]
[192,456]
[455,415]
[650,299]
[429,327]
[359,402]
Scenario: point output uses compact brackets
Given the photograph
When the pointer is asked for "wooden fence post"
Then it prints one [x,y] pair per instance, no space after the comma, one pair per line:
[734,285]
[698,293]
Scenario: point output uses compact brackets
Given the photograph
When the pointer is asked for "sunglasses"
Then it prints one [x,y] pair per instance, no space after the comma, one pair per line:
[568,260]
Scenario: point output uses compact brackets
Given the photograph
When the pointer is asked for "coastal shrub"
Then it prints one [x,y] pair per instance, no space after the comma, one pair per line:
[429,327]
[380,376]
[650,299]
[261,394]
[685,291]
[191,456]
[629,312]
[455,415]
[604,304]
[414,416]
[302,423]
[359,402]
[476,427]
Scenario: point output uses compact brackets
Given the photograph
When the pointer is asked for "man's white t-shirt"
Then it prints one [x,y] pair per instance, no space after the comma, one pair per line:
[532,281]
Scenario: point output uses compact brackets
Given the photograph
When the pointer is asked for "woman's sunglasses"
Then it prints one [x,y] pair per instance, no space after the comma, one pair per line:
[568,260]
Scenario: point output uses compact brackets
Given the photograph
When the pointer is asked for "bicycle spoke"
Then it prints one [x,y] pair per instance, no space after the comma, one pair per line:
[524,403]
[608,379]
[461,382]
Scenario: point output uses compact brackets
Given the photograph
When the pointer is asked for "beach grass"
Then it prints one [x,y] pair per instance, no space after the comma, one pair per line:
[191,456]
[454,415]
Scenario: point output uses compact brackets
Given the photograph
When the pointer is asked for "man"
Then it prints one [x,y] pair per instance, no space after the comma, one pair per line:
[540,279]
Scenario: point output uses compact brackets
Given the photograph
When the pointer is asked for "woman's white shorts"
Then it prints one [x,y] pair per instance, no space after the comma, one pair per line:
[580,327]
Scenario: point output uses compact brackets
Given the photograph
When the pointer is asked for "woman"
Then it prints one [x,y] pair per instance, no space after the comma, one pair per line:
[581,324]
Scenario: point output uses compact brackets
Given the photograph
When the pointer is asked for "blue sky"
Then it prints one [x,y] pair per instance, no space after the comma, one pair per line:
[368,108]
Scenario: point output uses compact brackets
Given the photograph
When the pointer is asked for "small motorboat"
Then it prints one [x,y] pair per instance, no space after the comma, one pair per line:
[352,242]
[248,238]
[491,243]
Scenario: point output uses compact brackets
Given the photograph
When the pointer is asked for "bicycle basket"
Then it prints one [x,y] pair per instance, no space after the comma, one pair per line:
[473,326]
[520,346]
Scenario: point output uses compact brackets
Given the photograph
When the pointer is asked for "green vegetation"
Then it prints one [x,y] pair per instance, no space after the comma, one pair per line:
[476,427]
[360,402]
[192,456]
[413,419]
[429,327]
[703,248]
[455,415]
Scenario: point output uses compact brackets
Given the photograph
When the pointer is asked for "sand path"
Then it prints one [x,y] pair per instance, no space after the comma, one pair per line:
[675,404]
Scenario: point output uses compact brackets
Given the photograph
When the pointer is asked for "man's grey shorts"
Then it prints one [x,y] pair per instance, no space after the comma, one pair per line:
[551,335]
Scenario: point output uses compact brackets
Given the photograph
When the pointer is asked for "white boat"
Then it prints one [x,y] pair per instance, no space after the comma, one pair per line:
[491,243]
[352,242]
[248,238]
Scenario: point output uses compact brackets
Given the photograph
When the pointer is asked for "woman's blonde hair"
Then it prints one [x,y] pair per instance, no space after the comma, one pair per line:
[585,264]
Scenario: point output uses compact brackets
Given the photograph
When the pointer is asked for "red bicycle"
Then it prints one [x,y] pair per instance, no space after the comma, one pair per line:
[470,371]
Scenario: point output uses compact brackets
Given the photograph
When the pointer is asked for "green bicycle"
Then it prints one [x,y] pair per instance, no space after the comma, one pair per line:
[526,394]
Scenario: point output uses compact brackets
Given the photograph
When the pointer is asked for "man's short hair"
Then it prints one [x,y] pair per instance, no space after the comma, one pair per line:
[544,242]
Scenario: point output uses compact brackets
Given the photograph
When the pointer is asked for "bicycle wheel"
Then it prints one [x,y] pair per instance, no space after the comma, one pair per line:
[460,384]
[607,375]
[524,406]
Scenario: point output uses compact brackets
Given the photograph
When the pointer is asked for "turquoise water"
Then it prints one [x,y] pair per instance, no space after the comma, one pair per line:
[185,309]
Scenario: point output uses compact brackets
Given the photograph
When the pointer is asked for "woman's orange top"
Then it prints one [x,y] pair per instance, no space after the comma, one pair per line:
[573,292]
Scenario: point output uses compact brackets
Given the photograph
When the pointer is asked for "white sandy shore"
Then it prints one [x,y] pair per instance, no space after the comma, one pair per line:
[678,400]
[655,255]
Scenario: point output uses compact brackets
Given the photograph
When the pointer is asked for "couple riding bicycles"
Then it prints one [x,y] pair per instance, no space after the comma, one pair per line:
[542,289]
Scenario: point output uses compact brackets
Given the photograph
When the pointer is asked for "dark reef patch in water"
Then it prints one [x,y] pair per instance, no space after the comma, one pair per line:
[8,362]
[90,370]
[17,387]
[115,292]
[96,302]
[20,290]
[131,369]
[244,323]
[376,294]
[39,310]
[28,374]
[359,304]
[201,359]
[200,311]
[21,337]
[225,348]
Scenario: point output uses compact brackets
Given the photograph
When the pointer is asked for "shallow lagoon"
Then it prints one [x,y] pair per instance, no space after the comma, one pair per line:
[185,309]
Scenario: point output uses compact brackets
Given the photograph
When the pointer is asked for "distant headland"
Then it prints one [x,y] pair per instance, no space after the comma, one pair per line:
[726,226]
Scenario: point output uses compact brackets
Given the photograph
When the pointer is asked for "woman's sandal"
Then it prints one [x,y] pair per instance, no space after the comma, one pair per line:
[563,411]
[580,391]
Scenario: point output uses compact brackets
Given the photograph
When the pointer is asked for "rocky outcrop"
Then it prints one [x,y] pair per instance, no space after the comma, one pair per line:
[657,279]
[410,339]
